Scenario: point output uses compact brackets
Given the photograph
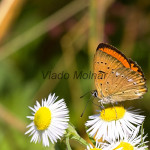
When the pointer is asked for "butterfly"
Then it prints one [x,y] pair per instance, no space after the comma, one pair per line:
[117,78]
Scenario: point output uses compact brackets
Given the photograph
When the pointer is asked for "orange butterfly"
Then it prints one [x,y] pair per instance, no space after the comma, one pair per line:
[117,77]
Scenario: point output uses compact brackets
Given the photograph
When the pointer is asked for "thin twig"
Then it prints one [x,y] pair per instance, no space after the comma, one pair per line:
[9,9]
[42,28]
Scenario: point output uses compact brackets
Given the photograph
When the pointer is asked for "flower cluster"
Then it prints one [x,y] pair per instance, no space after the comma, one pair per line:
[117,128]
[113,128]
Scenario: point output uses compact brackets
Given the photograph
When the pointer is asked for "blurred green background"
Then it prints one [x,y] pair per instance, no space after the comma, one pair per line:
[62,36]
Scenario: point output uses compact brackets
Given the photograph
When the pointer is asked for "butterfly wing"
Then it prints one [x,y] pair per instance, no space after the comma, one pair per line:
[117,78]
[125,84]
[136,67]
[104,64]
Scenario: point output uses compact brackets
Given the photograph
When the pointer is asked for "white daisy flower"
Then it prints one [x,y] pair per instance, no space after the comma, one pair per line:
[133,142]
[49,120]
[113,123]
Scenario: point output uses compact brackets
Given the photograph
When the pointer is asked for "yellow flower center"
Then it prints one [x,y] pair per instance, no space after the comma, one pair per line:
[124,146]
[42,118]
[112,113]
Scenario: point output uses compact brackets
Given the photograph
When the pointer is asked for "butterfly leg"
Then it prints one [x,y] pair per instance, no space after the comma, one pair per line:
[102,106]
[96,104]
[116,103]
[115,109]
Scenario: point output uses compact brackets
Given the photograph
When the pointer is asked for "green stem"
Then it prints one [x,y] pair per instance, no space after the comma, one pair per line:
[80,140]
[142,132]
[68,144]
[72,134]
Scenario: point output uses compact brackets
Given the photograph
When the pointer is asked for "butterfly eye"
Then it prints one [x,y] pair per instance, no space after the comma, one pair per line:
[95,94]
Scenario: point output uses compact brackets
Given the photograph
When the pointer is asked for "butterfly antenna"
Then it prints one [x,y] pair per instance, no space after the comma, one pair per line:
[85,94]
[86,106]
